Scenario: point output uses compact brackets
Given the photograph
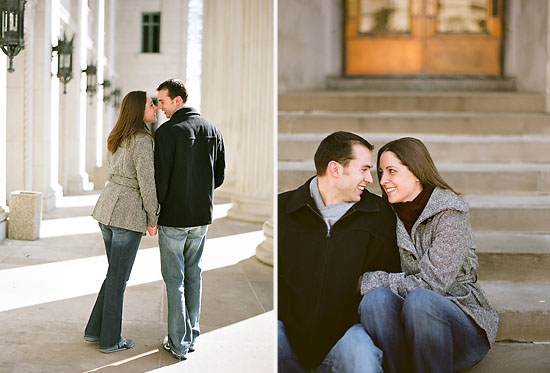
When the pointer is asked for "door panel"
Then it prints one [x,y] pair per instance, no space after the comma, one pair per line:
[453,37]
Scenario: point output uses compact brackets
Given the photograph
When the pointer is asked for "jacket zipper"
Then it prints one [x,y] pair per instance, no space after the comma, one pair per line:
[321,281]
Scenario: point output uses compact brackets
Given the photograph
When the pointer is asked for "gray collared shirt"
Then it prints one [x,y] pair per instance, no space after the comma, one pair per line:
[332,213]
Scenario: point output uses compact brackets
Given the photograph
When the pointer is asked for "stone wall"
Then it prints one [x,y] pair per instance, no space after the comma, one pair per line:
[310,31]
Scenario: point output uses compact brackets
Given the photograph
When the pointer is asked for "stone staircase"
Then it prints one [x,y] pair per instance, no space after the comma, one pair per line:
[494,148]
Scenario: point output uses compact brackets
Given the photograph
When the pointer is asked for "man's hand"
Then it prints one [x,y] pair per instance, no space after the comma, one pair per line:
[152,230]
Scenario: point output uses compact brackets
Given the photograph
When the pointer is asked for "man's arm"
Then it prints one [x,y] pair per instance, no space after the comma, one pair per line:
[219,166]
[163,163]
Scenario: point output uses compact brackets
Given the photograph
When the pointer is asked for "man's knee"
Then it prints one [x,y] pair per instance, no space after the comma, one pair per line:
[356,348]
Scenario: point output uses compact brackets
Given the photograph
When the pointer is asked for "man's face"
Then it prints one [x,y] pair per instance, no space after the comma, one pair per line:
[356,175]
[166,104]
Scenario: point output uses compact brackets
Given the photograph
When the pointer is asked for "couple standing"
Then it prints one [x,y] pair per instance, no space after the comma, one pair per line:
[174,173]
[364,286]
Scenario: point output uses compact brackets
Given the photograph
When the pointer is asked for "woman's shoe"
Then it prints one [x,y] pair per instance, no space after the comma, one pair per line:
[91,338]
[124,344]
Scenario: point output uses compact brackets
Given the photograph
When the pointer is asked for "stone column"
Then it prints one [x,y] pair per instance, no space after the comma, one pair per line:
[238,95]
[264,251]
[252,200]
[220,98]
[3,163]
[45,92]
[77,107]
[19,132]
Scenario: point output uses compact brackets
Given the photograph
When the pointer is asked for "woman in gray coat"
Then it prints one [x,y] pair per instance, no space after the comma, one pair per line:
[433,316]
[126,208]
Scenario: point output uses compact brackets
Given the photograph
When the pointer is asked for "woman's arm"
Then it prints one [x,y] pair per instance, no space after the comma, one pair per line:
[144,161]
[440,265]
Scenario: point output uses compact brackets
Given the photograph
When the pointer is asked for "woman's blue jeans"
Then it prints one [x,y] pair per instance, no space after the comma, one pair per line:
[105,322]
[353,353]
[425,332]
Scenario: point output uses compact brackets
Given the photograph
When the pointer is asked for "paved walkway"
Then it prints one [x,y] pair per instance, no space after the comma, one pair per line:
[48,287]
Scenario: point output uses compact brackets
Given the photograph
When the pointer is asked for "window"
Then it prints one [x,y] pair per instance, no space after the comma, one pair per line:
[150,33]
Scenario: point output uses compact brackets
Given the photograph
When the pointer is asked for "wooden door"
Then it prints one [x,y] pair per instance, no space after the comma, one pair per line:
[427,37]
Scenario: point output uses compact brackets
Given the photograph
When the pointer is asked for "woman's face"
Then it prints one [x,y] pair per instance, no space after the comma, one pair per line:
[150,113]
[398,181]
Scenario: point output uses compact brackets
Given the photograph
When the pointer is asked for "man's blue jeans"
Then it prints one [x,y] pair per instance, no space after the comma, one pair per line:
[354,352]
[180,258]
[425,332]
[121,246]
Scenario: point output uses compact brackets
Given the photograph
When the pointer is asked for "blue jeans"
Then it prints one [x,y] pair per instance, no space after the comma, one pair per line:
[354,352]
[425,332]
[180,259]
[121,246]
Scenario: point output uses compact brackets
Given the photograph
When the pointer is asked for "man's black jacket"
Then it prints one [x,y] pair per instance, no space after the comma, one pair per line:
[189,165]
[318,273]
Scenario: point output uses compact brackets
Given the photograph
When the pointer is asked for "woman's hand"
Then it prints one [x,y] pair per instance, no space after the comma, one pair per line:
[152,230]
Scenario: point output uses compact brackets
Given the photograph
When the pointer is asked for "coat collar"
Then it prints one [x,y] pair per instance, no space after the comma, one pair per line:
[441,200]
[302,197]
[185,111]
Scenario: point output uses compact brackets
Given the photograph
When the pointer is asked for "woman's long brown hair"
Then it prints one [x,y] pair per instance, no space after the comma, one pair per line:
[414,154]
[130,120]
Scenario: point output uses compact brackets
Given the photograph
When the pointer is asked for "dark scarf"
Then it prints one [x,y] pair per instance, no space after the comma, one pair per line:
[409,212]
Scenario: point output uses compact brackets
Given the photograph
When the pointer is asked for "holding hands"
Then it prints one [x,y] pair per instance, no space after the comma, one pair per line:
[152,230]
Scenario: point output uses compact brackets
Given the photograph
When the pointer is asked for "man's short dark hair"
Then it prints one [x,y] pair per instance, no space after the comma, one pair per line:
[175,88]
[337,147]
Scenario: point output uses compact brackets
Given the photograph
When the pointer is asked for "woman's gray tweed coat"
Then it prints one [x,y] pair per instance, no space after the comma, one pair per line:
[441,257]
[129,199]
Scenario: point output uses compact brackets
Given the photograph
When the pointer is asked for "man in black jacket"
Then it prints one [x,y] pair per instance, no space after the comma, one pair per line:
[331,231]
[189,165]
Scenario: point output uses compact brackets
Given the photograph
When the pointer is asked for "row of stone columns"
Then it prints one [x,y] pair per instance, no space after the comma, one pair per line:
[43,132]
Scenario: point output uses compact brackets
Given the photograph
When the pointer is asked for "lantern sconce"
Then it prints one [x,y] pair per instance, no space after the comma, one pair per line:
[106,90]
[91,79]
[116,98]
[64,51]
[12,20]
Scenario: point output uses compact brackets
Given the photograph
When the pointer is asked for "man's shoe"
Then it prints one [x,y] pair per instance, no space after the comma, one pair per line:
[124,344]
[166,346]
[91,338]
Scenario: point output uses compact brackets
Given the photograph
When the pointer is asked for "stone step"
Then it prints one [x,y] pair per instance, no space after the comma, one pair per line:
[523,308]
[464,177]
[513,256]
[349,101]
[505,357]
[527,213]
[413,84]
[415,122]
[455,148]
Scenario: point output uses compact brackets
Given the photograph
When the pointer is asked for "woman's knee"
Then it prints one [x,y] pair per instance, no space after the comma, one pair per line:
[376,299]
[422,305]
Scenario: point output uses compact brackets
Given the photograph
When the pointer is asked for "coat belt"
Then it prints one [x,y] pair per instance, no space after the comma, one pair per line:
[125,181]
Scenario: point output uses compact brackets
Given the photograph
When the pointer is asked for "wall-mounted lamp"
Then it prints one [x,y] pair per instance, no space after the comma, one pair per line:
[12,20]
[64,51]
[116,98]
[91,79]
[106,90]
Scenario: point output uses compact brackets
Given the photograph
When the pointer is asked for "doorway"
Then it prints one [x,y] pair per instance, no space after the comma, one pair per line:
[423,37]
